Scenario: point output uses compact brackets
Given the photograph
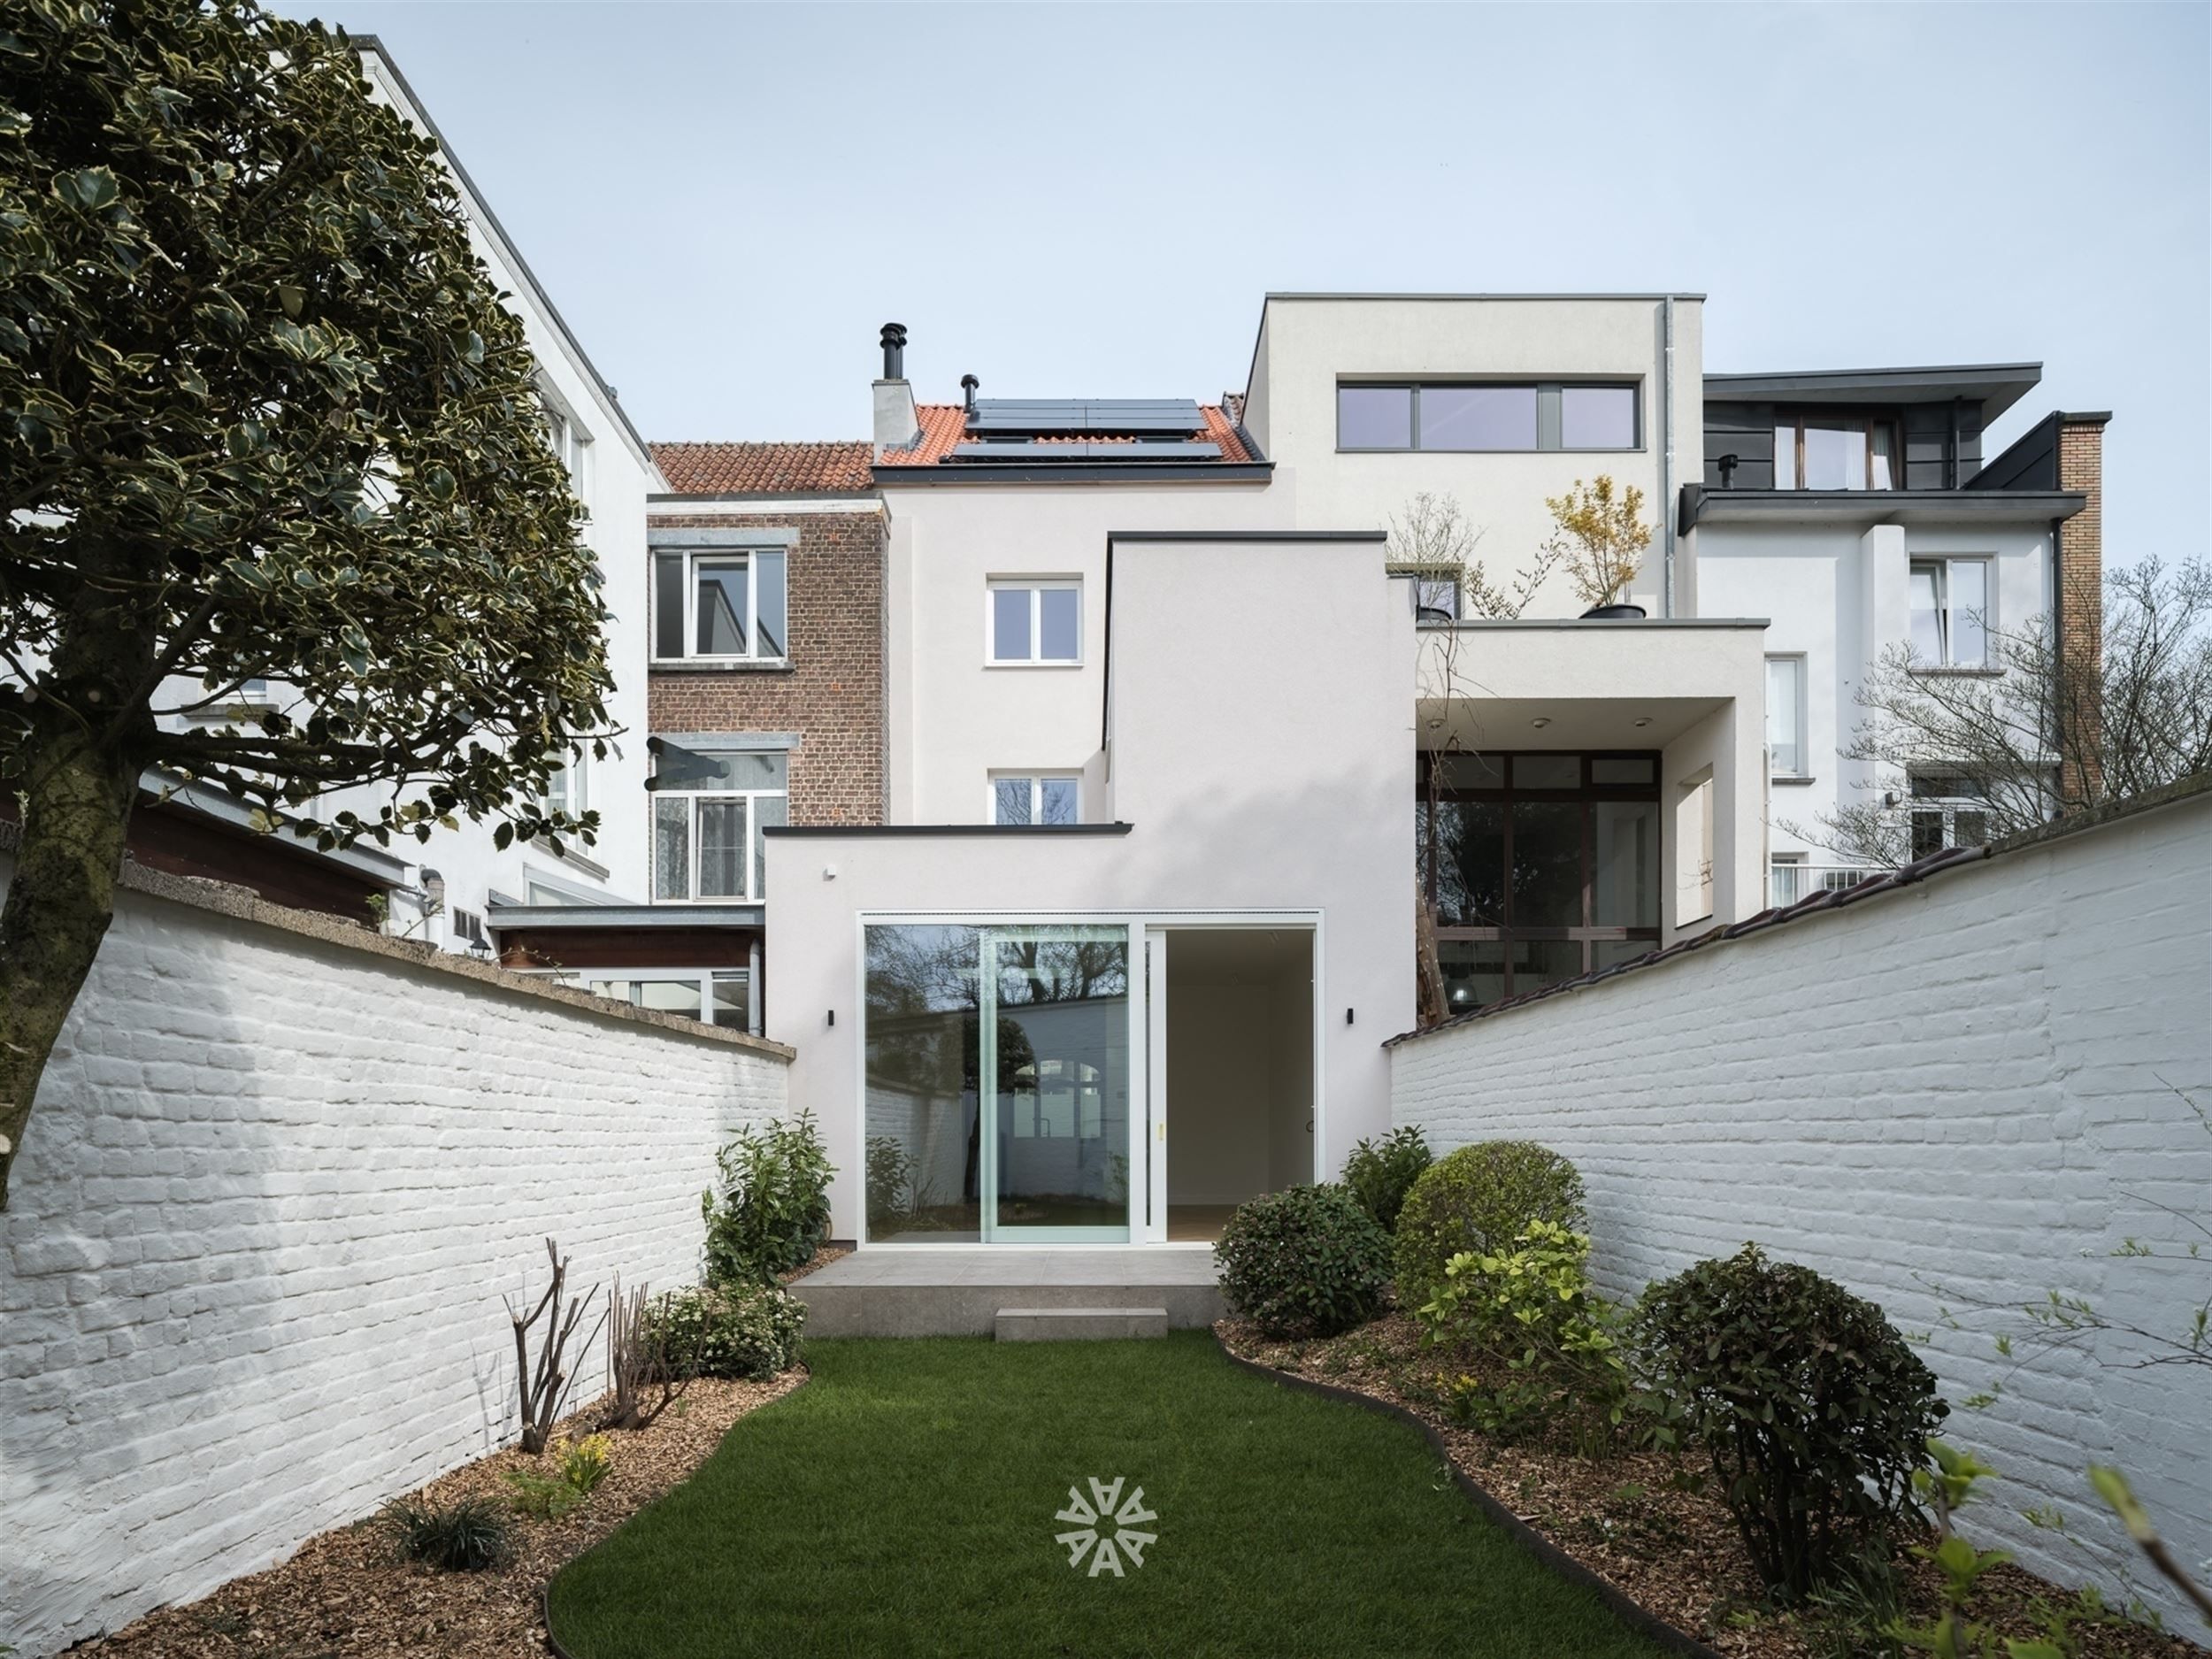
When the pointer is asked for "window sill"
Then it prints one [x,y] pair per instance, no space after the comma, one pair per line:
[1055,664]
[1938,671]
[720,665]
[1792,779]
[1639,450]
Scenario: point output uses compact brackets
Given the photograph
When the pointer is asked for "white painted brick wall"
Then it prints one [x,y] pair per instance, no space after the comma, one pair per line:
[274,1190]
[1968,1084]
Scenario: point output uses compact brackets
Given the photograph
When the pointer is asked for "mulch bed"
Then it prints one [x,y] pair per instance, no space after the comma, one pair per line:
[1628,1517]
[346,1593]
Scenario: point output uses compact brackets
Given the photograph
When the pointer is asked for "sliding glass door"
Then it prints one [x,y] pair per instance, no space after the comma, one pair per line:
[999,1089]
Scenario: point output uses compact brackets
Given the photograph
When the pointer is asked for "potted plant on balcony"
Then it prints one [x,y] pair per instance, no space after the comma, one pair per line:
[1601,532]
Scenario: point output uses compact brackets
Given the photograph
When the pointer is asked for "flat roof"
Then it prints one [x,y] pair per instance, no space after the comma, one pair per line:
[1996,386]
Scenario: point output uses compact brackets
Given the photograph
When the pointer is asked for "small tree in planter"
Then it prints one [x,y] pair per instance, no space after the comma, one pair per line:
[1601,532]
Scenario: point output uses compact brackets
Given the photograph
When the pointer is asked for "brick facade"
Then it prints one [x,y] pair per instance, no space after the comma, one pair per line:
[2079,582]
[833,693]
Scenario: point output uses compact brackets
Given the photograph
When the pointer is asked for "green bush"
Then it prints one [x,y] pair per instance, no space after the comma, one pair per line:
[773,1212]
[470,1536]
[1381,1172]
[1478,1200]
[1814,1411]
[1307,1262]
[748,1330]
[1546,1341]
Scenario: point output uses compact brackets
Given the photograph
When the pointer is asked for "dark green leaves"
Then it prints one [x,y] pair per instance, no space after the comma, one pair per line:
[90,188]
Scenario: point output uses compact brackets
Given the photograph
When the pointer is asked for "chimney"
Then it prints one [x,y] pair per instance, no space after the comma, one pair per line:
[969,386]
[898,425]
[2077,587]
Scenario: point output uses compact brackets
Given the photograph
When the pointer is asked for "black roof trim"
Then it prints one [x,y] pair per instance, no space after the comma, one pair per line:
[1099,472]
[1699,503]
[1997,387]
[1820,903]
[881,832]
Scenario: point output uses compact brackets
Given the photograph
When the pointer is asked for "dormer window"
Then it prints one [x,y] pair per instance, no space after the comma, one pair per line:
[1820,451]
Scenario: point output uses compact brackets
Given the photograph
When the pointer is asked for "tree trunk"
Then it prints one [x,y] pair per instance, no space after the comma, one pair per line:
[77,794]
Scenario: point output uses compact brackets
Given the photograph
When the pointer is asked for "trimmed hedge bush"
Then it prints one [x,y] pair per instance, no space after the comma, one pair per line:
[1380,1173]
[747,1331]
[1480,1200]
[1306,1262]
[1813,1410]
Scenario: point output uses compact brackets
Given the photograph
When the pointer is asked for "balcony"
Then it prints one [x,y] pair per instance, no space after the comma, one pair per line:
[1788,880]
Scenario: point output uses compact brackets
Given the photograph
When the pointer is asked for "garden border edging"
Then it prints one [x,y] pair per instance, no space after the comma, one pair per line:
[545,1593]
[1630,1612]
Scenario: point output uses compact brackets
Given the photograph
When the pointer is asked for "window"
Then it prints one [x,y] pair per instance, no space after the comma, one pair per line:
[709,809]
[1948,810]
[1540,867]
[1472,417]
[1435,596]
[1950,612]
[564,788]
[1033,622]
[1035,800]
[718,996]
[1834,452]
[720,605]
[1694,850]
[1785,716]
[571,444]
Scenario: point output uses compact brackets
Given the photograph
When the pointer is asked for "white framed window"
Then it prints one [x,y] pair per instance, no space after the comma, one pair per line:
[1785,716]
[1693,849]
[1032,622]
[1036,798]
[715,996]
[1951,615]
[720,605]
[709,809]
[1948,810]
[568,788]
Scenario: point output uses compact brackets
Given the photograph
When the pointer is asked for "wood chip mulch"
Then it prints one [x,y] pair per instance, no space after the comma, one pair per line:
[1628,1517]
[345,1593]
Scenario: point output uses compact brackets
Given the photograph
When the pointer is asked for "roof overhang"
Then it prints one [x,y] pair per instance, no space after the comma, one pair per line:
[1700,505]
[1083,472]
[1997,387]
[596,917]
[209,802]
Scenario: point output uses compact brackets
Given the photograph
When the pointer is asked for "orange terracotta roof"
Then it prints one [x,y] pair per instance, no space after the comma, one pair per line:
[763,469]
[943,426]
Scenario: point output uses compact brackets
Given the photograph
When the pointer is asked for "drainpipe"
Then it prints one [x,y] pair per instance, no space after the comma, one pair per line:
[1666,452]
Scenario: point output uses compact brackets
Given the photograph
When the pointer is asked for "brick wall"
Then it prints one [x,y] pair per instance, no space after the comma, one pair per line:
[2079,586]
[281,1174]
[1965,1090]
[832,692]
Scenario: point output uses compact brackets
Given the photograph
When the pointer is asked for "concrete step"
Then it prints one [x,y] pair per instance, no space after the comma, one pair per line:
[1077,1325]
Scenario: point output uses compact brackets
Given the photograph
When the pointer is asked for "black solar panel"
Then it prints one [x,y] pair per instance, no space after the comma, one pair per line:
[1003,451]
[1042,416]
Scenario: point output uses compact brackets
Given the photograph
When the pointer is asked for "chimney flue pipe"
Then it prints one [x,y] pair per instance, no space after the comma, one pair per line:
[895,351]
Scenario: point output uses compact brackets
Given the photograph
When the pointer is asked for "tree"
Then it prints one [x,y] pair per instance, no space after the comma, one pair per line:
[2055,731]
[1599,530]
[262,417]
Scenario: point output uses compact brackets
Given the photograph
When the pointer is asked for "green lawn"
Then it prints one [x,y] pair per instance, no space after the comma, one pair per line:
[903,1502]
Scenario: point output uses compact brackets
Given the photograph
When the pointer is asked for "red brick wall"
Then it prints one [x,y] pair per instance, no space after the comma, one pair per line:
[2080,588]
[832,694]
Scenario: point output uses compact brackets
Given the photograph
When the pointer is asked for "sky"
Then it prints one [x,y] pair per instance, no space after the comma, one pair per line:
[727,200]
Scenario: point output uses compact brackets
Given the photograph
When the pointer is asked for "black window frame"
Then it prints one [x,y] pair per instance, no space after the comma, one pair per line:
[1432,792]
[1549,417]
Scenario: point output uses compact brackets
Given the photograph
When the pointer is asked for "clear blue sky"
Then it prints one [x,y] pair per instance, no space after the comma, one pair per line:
[725,201]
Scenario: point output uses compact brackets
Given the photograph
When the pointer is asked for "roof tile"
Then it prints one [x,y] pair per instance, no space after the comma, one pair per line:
[764,469]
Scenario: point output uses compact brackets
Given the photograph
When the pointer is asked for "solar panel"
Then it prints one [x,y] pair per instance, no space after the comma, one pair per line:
[1039,416]
[1063,450]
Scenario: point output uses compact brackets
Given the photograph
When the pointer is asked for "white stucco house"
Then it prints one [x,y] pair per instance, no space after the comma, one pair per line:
[1175,746]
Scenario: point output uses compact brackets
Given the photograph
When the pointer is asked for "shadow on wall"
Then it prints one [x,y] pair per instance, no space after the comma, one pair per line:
[267,1209]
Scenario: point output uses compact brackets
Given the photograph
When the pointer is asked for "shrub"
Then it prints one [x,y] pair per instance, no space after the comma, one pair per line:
[465,1537]
[745,1331]
[1478,1200]
[578,1468]
[1814,1411]
[773,1212]
[1306,1262]
[1553,1361]
[1381,1172]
